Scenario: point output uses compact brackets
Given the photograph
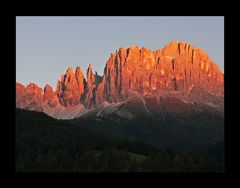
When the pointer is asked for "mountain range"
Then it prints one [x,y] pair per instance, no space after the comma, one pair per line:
[178,79]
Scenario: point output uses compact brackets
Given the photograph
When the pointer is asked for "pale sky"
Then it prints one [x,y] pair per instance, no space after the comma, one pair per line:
[47,46]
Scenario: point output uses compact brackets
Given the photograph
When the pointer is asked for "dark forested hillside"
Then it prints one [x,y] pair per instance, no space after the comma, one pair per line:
[44,144]
[198,131]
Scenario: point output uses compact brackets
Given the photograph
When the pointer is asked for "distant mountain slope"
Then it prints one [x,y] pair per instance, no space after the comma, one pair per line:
[166,123]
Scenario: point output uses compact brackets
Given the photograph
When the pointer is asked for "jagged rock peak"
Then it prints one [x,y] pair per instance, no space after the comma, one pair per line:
[19,85]
[48,88]
[89,68]
[78,71]
[70,70]
[49,97]
[34,88]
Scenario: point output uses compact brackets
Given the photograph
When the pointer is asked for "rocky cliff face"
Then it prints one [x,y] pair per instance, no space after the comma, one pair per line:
[177,69]
[89,99]
[30,97]
[49,97]
[174,69]
[71,87]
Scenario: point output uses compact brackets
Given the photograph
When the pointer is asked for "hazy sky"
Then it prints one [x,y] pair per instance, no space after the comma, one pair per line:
[47,46]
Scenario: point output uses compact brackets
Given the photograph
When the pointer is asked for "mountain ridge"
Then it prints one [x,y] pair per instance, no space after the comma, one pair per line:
[176,70]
